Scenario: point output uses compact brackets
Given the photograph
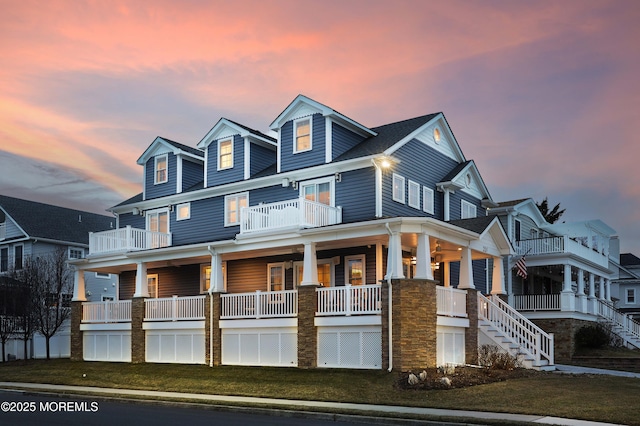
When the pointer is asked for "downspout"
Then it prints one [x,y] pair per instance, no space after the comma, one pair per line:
[210,316]
[390,304]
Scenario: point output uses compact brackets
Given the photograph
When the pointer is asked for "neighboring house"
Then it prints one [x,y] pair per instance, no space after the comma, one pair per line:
[329,245]
[626,288]
[29,228]
[570,268]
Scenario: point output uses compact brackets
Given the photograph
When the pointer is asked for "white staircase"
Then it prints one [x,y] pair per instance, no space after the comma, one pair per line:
[511,331]
[627,328]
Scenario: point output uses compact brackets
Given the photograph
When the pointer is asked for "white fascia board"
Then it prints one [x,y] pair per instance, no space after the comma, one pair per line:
[224,124]
[17,225]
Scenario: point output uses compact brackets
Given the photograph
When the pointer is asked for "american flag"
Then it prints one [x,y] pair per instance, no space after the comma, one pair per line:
[521,267]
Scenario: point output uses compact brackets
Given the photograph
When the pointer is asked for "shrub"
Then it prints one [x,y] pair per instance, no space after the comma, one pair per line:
[592,336]
[495,358]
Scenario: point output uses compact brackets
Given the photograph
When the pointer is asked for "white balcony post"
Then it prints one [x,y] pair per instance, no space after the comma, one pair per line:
[256,304]
[394,257]
[105,306]
[497,283]
[216,279]
[174,308]
[601,294]
[592,294]
[78,286]
[310,265]
[129,238]
[423,258]
[607,287]
[582,298]
[567,298]
[347,300]
[142,286]
[466,269]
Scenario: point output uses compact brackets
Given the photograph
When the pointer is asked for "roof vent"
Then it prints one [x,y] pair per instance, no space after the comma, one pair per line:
[79,218]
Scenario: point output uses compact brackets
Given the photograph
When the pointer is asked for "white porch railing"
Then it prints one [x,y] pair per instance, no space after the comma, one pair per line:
[126,239]
[558,245]
[174,308]
[528,336]
[607,311]
[349,300]
[267,304]
[3,231]
[536,302]
[451,302]
[107,311]
[300,213]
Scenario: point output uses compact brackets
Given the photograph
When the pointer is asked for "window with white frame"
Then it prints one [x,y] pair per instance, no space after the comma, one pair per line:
[414,194]
[354,270]
[225,154]
[631,296]
[152,285]
[398,188]
[18,254]
[161,164]
[76,253]
[318,190]
[275,276]
[517,230]
[183,211]
[4,259]
[158,220]
[302,135]
[232,205]
[468,210]
[325,272]
[103,275]
[427,200]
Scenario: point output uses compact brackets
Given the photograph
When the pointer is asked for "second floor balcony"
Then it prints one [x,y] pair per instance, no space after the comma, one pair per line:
[126,239]
[563,245]
[297,213]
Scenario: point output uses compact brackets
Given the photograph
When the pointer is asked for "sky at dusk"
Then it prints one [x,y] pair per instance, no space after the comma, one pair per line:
[544,96]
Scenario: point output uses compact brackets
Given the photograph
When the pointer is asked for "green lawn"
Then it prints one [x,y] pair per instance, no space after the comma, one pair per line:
[598,398]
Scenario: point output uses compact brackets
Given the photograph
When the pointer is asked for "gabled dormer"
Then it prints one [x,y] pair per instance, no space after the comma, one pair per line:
[465,179]
[310,134]
[170,168]
[234,152]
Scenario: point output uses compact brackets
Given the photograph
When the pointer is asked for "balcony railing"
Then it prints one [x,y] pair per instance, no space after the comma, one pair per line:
[126,239]
[107,311]
[174,308]
[259,304]
[536,302]
[451,302]
[298,213]
[560,245]
[349,300]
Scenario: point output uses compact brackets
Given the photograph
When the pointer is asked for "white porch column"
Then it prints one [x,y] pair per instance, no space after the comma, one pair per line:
[423,258]
[607,291]
[78,286]
[593,307]
[394,257]
[582,298]
[466,269]
[310,265]
[142,286]
[446,204]
[580,282]
[566,284]
[497,282]
[601,294]
[567,297]
[446,273]
[216,279]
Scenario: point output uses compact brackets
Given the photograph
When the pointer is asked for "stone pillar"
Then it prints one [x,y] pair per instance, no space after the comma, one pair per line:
[413,324]
[77,346]
[497,282]
[213,333]
[423,258]
[138,337]
[471,333]
[466,269]
[307,333]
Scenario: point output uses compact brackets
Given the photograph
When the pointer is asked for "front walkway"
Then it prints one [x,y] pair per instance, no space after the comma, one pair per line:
[262,403]
[574,369]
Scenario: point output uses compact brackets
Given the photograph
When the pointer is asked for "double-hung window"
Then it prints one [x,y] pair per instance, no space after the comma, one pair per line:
[302,135]
[354,270]
[18,253]
[232,206]
[631,296]
[225,154]
[468,210]
[427,200]
[319,190]
[398,188]
[76,253]
[275,275]
[414,194]
[160,175]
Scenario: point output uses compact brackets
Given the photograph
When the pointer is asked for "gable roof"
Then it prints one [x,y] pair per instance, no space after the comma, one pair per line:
[628,259]
[46,221]
[487,226]
[164,144]
[237,128]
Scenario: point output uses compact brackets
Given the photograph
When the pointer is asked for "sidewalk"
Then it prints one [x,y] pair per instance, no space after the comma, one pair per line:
[574,369]
[366,409]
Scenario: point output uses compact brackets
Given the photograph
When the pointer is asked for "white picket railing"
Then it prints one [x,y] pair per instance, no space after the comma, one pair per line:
[107,311]
[537,302]
[349,300]
[607,311]
[174,308]
[561,244]
[259,304]
[126,239]
[290,213]
[528,336]
[451,302]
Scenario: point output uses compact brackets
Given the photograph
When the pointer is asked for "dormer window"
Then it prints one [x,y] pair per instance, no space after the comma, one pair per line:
[160,169]
[302,134]
[225,154]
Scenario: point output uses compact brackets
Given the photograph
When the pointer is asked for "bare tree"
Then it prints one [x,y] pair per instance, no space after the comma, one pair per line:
[8,309]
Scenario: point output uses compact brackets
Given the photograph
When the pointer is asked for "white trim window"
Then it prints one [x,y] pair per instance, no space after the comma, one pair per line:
[158,220]
[326,272]
[467,210]
[152,285]
[232,206]
[18,256]
[414,194]
[302,131]
[161,165]
[225,154]
[183,211]
[76,253]
[427,200]
[517,230]
[355,270]
[631,296]
[319,190]
[398,188]
[275,276]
